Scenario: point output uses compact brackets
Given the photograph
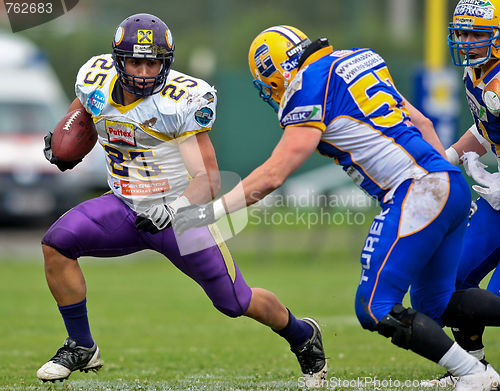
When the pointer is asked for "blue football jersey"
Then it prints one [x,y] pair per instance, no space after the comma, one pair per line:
[485,116]
[350,96]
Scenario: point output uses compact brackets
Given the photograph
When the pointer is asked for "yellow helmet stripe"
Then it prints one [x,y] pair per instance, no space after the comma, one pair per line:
[287,33]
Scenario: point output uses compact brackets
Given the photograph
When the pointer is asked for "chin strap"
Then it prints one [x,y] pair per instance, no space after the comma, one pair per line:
[320,43]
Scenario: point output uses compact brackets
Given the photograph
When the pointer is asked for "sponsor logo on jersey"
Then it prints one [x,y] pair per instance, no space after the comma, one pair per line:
[476,108]
[132,188]
[95,102]
[353,67]
[476,8]
[341,53]
[120,132]
[203,116]
[303,114]
[145,36]
[290,64]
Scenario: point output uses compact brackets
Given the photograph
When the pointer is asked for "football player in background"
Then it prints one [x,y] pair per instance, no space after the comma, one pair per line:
[344,104]
[474,41]
[153,124]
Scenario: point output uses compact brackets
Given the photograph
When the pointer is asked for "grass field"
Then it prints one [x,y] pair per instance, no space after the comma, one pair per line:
[157,330]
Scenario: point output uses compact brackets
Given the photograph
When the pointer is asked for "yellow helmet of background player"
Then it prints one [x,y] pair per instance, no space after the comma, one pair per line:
[475,16]
[274,59]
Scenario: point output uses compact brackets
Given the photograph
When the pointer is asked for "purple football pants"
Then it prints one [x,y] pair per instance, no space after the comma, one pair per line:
[105,227]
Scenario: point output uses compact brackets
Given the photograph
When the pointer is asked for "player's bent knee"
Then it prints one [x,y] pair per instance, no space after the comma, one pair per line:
[470,306]
[365,319]
[398,325]
[62,241]
[231,311]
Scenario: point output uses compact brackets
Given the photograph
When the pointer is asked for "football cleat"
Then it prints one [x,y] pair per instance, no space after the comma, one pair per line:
[443,381]
[487,380]
[68,359]
[446,380]
[311,357]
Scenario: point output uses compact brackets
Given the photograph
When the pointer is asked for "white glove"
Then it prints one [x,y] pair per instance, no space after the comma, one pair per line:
[160,216]
[491,182]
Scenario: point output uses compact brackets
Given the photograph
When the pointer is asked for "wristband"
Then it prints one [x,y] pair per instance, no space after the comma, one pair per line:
[452,156]
[179,202]
[219,209]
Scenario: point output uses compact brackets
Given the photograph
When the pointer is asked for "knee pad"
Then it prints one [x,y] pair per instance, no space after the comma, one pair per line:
[398,325]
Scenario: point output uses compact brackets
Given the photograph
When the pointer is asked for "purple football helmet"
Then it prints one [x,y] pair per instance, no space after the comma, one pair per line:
[143,36]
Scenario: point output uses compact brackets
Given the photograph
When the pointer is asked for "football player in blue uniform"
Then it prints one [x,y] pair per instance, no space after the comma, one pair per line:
[344,104]
[153,123]
[474,40]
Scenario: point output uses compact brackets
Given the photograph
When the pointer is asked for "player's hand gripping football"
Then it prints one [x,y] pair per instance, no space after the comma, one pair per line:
[194,216]
[47,151]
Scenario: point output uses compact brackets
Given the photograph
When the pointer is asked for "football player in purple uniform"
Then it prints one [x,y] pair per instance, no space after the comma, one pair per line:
[344,104]
[153,124]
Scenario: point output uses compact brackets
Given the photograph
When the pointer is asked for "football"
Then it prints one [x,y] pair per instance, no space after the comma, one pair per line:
[74,136]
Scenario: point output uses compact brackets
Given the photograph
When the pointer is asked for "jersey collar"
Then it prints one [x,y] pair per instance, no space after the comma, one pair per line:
[121,108]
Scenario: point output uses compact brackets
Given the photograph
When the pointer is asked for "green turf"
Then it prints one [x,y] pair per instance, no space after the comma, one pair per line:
[157,330]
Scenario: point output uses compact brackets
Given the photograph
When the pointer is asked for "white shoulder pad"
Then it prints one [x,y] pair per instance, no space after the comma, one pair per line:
[195,102]
[93,80]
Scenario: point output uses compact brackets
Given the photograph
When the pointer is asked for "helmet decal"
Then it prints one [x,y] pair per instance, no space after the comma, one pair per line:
[265,64]
[120,32]
[145,36]
[286,32]
[476,8]
[168,38]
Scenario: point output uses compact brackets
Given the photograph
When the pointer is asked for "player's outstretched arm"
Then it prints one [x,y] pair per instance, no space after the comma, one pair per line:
[293,149]
[295,146]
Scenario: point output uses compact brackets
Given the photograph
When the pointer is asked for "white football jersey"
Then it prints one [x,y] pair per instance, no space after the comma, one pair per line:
[141,139]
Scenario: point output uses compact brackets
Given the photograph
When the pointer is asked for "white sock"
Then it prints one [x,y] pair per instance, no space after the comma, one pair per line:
[479,354]
[459,362]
